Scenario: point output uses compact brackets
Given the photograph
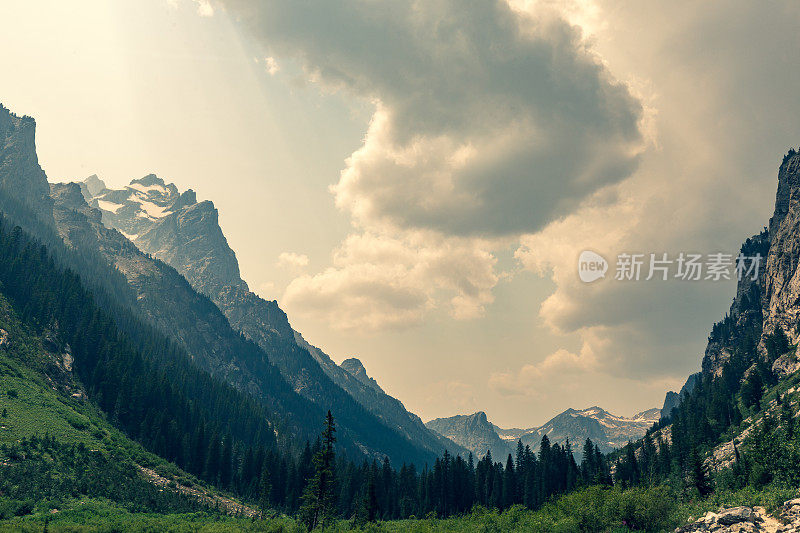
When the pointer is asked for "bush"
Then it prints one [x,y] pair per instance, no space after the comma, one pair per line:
[10,508]
[79,422]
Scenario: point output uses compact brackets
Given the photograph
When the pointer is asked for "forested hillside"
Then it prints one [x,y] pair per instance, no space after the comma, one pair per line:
[137,289]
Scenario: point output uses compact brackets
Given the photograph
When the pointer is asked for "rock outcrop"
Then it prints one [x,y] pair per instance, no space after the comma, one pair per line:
[781,284]
[357,370]
[768,296]
[748,519]
[475,433]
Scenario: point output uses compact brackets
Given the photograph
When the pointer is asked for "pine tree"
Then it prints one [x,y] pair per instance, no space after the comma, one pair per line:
[319,496]
[264,493]
[371,501]
[753,390]
[699,475]
[509,484]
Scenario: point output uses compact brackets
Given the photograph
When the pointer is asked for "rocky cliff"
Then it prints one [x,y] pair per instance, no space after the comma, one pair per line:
[356,369]
[475,433]
[754,346]
[771,302]
[20,174]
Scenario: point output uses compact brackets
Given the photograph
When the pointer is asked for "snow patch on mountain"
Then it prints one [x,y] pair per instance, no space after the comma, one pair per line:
[109,206]
[607,430]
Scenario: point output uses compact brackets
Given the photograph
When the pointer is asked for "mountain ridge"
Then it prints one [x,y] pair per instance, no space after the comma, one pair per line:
[125,278]
[175,228]
[606,430]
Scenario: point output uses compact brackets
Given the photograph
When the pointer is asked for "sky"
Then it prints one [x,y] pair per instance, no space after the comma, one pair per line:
[414,181]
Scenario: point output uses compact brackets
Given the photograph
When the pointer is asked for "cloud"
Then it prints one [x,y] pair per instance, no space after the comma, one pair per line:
[721,131]
[204,8]
[495,125]
[528,380]
[380,281]
[271,65]
[292,260]
[455,393]
[487,121]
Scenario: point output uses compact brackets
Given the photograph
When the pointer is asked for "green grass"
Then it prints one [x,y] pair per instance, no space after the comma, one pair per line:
[37,409]
[594,509]
[102,516]
[36,397]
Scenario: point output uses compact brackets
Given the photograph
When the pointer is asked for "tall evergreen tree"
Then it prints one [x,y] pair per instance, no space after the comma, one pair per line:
[319,497]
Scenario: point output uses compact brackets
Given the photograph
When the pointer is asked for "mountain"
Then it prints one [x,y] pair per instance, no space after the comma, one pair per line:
[737,413]
[475,433]
[56,441]
[766,300]
[23,183]
[184,233]
[672,398]
[136,287]
[356,369]
[606,430]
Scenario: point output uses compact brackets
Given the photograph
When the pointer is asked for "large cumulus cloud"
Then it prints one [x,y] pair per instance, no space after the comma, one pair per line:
[488,123]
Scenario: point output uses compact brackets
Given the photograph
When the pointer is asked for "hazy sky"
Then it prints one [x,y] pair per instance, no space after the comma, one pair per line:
[413,181]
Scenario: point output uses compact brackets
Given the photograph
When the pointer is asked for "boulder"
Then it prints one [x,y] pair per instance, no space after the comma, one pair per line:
[734,515]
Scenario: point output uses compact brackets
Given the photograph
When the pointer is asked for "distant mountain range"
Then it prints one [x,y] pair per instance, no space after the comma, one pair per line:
[606,430]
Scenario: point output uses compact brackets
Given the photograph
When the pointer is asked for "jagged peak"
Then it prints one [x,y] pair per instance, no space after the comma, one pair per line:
[353,365]
[94,185]
[356,368]
[480,416]
[69,194]
[788,185]
[150,179]
[8,115]
[187,198]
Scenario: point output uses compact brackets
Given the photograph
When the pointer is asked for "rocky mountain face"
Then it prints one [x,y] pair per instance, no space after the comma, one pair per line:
[673,398]
[780,303]
[759,334]
[606,430]
[475,433]
[184,233]
[357,370]
[20,172]
[24,192]
[126,279]
[769,300]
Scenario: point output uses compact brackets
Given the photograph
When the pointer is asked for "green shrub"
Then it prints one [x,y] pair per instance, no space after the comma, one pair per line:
[79,422]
